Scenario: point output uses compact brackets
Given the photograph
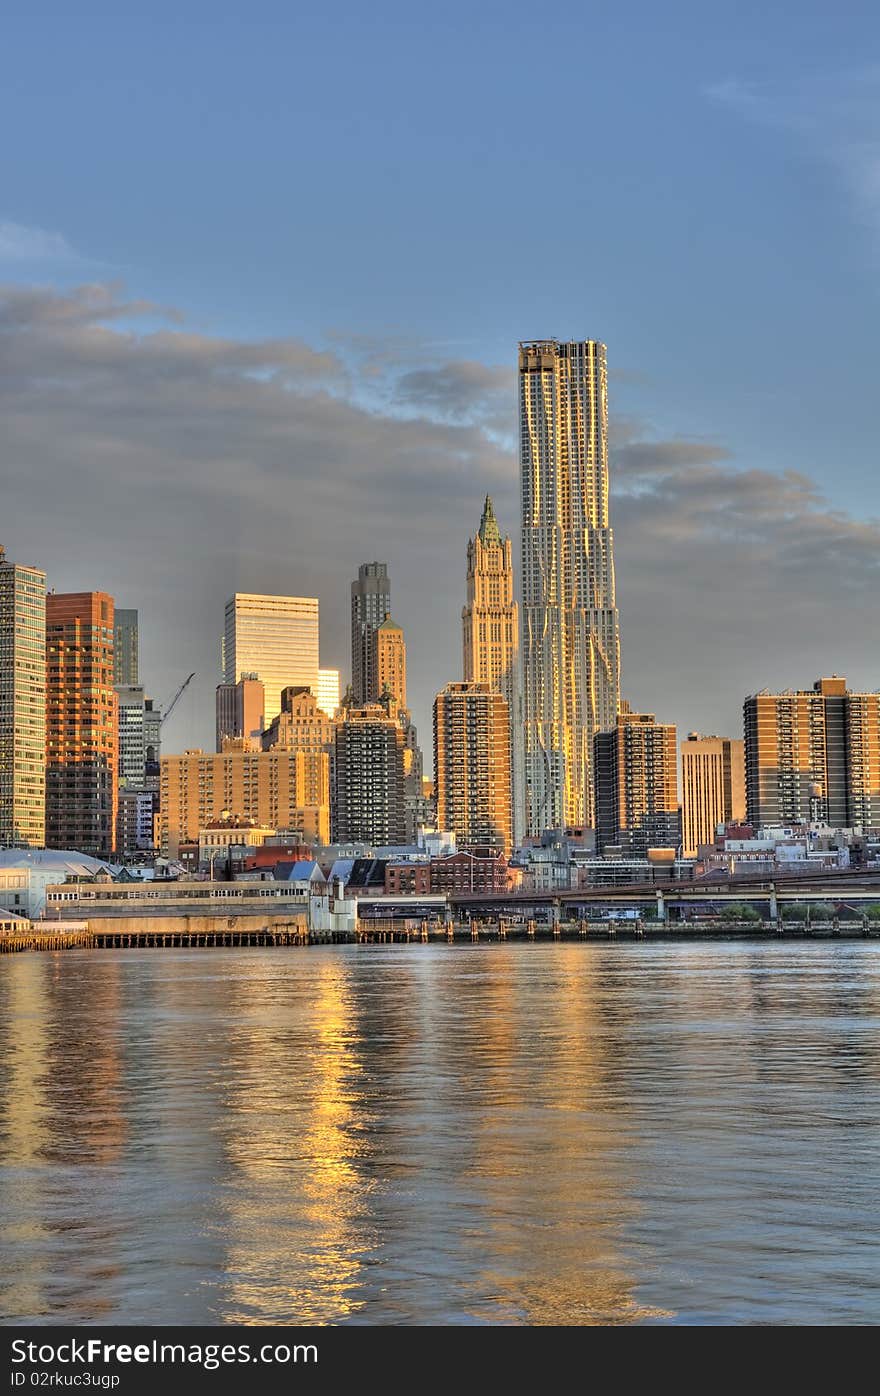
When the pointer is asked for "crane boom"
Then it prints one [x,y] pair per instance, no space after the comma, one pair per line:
[169,710]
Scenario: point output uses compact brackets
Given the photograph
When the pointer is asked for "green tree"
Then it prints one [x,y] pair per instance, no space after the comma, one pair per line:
[873,911]
[740,911]
[796,912]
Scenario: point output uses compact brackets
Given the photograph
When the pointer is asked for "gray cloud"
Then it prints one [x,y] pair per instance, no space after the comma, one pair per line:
[173,468]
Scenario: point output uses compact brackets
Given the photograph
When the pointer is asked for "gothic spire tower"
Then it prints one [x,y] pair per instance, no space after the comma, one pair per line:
[570,638]
[490,635]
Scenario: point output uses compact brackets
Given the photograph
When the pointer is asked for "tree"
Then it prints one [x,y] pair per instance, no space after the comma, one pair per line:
[873,911]
[822,911]
[740,911]
[796,912]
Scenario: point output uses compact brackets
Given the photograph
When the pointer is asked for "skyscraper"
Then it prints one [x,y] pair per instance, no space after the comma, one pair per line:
[713,788]
[370,604]
[125,648]
[472,765]
[490,638]
[570,643]
[813,756]
[81,723]
[637,784]
[390,663]
[369,803]
[22,705]
[274,637]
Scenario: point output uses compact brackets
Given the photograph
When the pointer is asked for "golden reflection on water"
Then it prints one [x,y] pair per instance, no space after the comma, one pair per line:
[507,1134]
[290,1116]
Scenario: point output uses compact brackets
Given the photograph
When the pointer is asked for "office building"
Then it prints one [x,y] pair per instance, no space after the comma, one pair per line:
[637,785]
[370,604]
[81,723]
[813,756]
[369,805]
[713,789]
[125,648]
[22,705]
[240,711]
[472,765]
[570,645]
[490,640]
[274,638]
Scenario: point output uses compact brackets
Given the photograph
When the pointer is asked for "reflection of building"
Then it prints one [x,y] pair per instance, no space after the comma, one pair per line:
[276,789]
[713,788]
[239,710]
[369,777]
[81,723]
[813,756]
[22,704]
[490,632]
[328,691]
[570,647]
[275,637]
[637,784]
[370,603]
[472,765]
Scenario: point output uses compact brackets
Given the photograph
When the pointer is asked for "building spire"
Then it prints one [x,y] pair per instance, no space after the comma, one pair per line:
[489,530]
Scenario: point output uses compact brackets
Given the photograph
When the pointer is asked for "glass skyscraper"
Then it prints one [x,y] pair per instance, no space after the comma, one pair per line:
[570,641]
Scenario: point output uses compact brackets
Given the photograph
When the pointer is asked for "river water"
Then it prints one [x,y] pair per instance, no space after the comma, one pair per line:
[556,1133]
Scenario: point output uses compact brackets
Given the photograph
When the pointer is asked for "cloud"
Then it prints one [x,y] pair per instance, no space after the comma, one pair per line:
[834,116]
[19,243]
[172,468]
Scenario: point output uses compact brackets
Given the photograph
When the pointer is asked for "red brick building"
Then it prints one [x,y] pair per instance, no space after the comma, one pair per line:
[469,872]
[403,878]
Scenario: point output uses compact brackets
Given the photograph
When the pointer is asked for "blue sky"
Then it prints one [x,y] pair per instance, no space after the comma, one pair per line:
[698,185]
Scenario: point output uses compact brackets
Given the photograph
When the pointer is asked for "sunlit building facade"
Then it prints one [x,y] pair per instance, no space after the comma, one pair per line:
[490,639]
[276,789]
[81,723]
[274,637]
[22,705]
[813,755]
[570,640]
[472,765]
[328,693]
[713,788]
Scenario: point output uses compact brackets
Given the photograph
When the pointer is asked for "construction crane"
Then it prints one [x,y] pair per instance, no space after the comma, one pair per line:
[170,709]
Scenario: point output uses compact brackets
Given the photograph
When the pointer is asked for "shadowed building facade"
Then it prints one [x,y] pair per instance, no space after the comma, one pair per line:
[570,641]
[81,723]
[813,755]
[240,710]
[637,784]
[370,604]
[370,804]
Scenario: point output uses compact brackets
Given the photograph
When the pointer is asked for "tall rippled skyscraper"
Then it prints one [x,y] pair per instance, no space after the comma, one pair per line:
[570,640]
